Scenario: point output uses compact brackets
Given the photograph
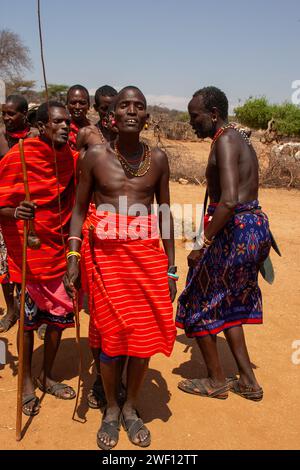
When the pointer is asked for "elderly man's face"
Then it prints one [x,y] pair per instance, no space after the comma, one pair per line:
[57,129]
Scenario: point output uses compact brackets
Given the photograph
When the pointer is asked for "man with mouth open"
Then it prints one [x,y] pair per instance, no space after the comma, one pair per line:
[50,211]
[222,292]
[129,278]
[78,103]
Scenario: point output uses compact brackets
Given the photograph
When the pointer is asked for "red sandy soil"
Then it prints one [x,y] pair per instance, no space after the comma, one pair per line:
[178,420]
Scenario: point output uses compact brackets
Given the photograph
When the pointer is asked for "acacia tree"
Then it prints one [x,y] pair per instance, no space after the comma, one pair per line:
[14,57]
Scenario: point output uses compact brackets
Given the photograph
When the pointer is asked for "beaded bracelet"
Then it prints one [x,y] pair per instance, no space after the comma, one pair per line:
[16,213]
[74,253]
[175,277]
[75,238]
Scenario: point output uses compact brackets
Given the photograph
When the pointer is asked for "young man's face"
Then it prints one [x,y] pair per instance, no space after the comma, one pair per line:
[57,128]
[131,111]
[12,118]
[200,119]
[78,105]
[103,106]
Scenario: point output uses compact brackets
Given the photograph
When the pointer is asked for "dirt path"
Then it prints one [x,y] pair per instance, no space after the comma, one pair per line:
[178,420]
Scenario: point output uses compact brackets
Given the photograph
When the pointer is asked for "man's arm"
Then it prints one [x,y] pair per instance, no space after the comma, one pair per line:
[24,211]
[3,144]
[166,224]
[227,157]
[83,198]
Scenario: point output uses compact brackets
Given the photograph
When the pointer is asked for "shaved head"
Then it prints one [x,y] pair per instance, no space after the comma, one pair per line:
[129,90]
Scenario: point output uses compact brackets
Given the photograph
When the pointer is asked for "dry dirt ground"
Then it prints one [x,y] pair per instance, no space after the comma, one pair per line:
[178,420]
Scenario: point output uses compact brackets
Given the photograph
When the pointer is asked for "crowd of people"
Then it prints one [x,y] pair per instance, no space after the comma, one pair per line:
[92,189]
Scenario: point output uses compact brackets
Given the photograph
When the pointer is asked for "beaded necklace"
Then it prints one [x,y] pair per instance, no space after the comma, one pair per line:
[101,133]
[140,166]
[230,126]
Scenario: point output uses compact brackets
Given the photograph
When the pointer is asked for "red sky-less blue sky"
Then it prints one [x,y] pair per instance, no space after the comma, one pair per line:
[169,48]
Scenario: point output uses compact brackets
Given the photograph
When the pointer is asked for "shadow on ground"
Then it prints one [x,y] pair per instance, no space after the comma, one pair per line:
[195,367]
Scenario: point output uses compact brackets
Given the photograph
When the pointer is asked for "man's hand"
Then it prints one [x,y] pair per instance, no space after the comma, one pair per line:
[172,289]
[194,257]
[71,279]
[25,211]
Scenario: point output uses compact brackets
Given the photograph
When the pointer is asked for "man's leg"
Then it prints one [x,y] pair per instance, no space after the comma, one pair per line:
[12,315]
[51,345]
[208,348]
[136,372]
[110,372]
[236,340]
[215,385]
[32,406]
[96,397]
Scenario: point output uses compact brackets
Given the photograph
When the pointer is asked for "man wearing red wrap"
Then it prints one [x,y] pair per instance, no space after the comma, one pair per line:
[78,103]
[16,126]
[129,277]
[50,180]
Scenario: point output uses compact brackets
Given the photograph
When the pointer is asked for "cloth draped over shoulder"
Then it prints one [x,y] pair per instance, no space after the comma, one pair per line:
[49,261]
[125,275]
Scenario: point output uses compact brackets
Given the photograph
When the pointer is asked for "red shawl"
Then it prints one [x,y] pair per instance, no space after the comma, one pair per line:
[48,262]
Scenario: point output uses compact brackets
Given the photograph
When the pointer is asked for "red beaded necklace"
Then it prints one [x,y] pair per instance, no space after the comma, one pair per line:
[220,132]
[230,126]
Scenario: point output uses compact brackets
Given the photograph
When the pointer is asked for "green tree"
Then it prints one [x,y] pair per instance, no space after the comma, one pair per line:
[56,92]
[255,113]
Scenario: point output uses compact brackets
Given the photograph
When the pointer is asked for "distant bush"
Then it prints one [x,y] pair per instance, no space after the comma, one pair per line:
[257,112]
[287,119]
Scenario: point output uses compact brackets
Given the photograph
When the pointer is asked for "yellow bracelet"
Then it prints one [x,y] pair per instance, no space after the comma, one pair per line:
[74,253]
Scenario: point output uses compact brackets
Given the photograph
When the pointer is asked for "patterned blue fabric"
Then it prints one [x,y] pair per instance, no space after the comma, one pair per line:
[222,290]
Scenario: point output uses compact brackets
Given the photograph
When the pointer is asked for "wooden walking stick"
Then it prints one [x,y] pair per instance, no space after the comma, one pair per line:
[29,239]
[21,336]
[33,241]
[77,324]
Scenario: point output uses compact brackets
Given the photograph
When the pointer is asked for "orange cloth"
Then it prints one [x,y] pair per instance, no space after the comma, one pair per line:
[49,261]
[127,285]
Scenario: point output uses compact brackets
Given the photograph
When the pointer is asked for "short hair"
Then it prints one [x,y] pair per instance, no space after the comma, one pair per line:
[80,88]
[214,98]
[131,87]
[42,114]
[19,101]
[105,90]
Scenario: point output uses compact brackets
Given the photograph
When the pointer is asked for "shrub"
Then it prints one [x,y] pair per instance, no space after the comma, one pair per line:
[255,113]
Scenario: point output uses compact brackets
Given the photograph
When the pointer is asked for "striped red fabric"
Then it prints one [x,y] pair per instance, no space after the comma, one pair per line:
[49,261]
[126,280]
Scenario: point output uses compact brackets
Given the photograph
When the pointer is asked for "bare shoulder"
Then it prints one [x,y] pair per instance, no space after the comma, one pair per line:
[96,153]
[159,157]
[229,142]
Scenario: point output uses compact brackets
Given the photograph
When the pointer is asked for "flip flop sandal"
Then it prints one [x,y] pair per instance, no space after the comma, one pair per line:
[55,390]
[247,391]
[35,409]
[132,428]
[96,398]
[7,323]
[112,429]
[203,388]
